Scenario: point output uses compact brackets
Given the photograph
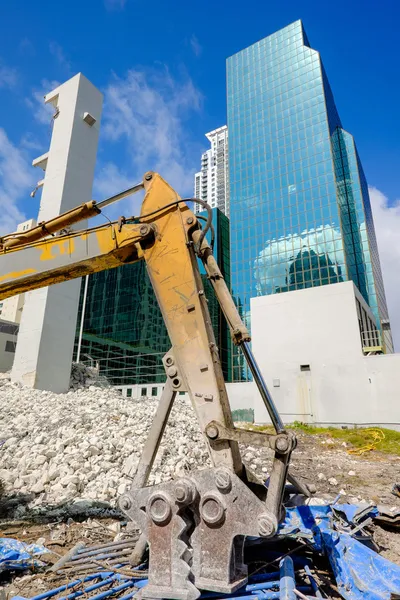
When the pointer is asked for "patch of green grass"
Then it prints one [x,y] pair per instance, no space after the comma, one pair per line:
[356,438]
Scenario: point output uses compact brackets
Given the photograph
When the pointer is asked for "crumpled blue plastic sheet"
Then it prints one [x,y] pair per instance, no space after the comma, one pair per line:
[355,513]
[15,555]
[361,573]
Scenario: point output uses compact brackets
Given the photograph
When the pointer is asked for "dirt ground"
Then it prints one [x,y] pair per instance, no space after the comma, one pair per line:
[368,477]
[318,459]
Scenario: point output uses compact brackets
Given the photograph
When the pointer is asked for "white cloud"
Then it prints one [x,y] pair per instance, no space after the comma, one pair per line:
[8,77]
[195,45]
[30,142]
[111,180]
[57,51]
[41,111]
[114,4]
[387,227]
[146,111]
[16,181]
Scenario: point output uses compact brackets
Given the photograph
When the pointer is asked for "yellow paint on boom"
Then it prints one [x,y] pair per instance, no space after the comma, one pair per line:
[16,274]
[63,247]
[106,240]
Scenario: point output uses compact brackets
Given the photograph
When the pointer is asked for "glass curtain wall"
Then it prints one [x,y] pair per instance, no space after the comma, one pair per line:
[124,332]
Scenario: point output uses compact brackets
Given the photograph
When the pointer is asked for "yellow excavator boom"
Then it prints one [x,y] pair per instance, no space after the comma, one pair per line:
[225,503]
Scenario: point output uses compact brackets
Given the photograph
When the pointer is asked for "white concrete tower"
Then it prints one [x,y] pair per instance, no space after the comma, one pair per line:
[47,331]
[212,182]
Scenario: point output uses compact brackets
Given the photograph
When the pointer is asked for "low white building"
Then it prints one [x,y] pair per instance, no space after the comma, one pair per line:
[320,362]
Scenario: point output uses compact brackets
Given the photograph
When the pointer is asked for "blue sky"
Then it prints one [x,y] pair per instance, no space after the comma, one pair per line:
[162,65]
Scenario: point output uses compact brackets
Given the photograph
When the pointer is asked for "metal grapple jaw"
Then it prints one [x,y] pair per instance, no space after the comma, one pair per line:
[195,527]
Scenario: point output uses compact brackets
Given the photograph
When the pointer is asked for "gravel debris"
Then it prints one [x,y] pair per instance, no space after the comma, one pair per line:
[82,444]
[79,448]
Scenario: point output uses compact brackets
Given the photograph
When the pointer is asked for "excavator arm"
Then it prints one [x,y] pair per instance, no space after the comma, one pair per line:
[195,526]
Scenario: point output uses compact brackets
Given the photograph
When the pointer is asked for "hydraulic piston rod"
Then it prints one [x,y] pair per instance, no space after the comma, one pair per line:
[121,195]
[75,215]
[262,388]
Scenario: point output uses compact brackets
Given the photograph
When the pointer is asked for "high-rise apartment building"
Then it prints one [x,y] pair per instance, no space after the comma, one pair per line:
[11,308]
[212,182]
[300,210]
[123,328]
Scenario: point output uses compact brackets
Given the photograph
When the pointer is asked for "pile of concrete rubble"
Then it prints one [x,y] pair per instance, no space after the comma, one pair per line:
[82,444]
[85,376]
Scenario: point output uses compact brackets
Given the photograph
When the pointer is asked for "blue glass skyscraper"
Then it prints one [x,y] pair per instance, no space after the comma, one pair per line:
[300,209]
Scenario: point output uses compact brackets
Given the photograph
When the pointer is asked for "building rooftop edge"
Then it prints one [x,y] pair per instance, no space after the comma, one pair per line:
[273,33]
[215,131]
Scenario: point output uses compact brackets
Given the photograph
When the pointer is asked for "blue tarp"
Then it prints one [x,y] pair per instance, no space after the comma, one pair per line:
[18,555]
[361,573]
